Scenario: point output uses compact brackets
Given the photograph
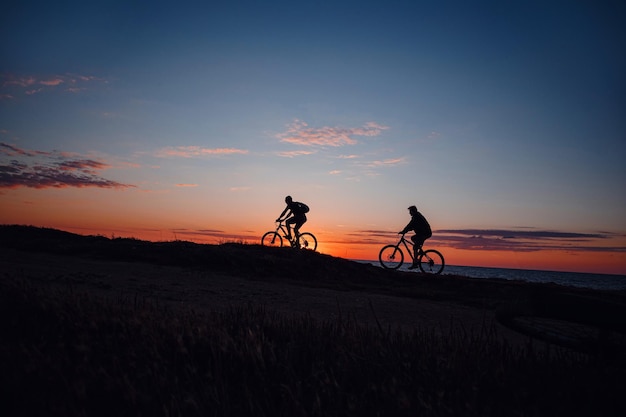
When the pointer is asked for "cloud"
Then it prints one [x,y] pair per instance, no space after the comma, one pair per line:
[196,151]
[300,134]
[86,165]
[10,80]
[10,150]
[433,135]
[291,154]
[12,85]
[525,240]
[502,240]
[386,162]
[528,234]
[239,189]
[186,185]
[37,169]
[51,82]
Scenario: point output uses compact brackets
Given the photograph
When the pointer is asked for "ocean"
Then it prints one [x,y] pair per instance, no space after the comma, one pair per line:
[572,279]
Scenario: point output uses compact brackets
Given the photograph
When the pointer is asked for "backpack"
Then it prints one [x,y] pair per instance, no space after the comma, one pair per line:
[302,208]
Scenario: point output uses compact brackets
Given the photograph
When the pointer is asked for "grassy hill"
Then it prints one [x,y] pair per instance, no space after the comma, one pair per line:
[65,352]
[300,267]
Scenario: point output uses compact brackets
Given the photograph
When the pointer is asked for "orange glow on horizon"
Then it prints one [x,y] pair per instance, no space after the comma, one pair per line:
[351,248]
[589,262]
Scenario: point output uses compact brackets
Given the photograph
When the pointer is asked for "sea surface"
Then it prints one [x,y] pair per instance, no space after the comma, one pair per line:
[572,279]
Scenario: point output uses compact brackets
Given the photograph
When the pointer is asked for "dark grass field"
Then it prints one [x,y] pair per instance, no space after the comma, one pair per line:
[66,350]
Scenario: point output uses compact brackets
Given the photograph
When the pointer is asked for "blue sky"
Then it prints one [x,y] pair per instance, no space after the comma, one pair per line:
[487,115]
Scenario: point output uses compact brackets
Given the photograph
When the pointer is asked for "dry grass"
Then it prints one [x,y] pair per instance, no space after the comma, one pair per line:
[70,354]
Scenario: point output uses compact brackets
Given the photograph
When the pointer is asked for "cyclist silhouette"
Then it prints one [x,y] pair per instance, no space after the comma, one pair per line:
[297,210]
[422,230]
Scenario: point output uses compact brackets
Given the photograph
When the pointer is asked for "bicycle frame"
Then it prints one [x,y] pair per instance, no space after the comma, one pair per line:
[281,227]
[410,246]
[429,261]
[304,240]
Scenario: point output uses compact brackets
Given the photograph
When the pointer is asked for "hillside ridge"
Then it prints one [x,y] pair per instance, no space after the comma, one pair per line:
[288,265]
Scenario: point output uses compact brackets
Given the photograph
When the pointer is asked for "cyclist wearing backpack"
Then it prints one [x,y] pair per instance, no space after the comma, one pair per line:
[422,230]
[298,212]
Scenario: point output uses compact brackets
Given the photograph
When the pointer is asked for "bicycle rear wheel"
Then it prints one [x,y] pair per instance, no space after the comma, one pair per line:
[306,240]
[391,257]
[431,262]
[272,239]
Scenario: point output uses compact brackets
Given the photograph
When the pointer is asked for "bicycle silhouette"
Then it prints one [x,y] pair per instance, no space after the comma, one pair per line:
[304,240]
[429,261]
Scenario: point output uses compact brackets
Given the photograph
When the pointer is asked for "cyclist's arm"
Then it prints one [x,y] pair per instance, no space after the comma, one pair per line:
[406,228]
[283,214]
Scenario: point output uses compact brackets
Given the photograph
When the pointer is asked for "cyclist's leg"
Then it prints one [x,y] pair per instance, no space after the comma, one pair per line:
[418,241]
[299,221]
[288,224]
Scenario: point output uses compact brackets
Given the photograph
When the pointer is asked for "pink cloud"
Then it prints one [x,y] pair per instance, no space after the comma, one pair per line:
[197,151]
[22,82]
[52,82]
[387,162]
[300,134]
[291,154]
[30,85]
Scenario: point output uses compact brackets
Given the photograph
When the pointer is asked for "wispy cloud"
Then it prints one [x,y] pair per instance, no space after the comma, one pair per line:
[386,162]
[291,154]
[10,150]
[300,133]
[196,152]
[239,189]
[186,185]
[505,240]
[38,169]
[434,135]
[52,82]
[527,240]
[527,234]
[12,85]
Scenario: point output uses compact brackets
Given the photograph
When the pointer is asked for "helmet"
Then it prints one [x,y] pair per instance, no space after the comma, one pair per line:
[412,209]
[288,199]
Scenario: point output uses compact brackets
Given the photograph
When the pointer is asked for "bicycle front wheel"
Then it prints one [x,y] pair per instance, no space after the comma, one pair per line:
[306,240]
[431,262]
[272,239]
[391,257]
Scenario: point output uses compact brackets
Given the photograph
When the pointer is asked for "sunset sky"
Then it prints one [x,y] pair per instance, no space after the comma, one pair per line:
[504,122]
